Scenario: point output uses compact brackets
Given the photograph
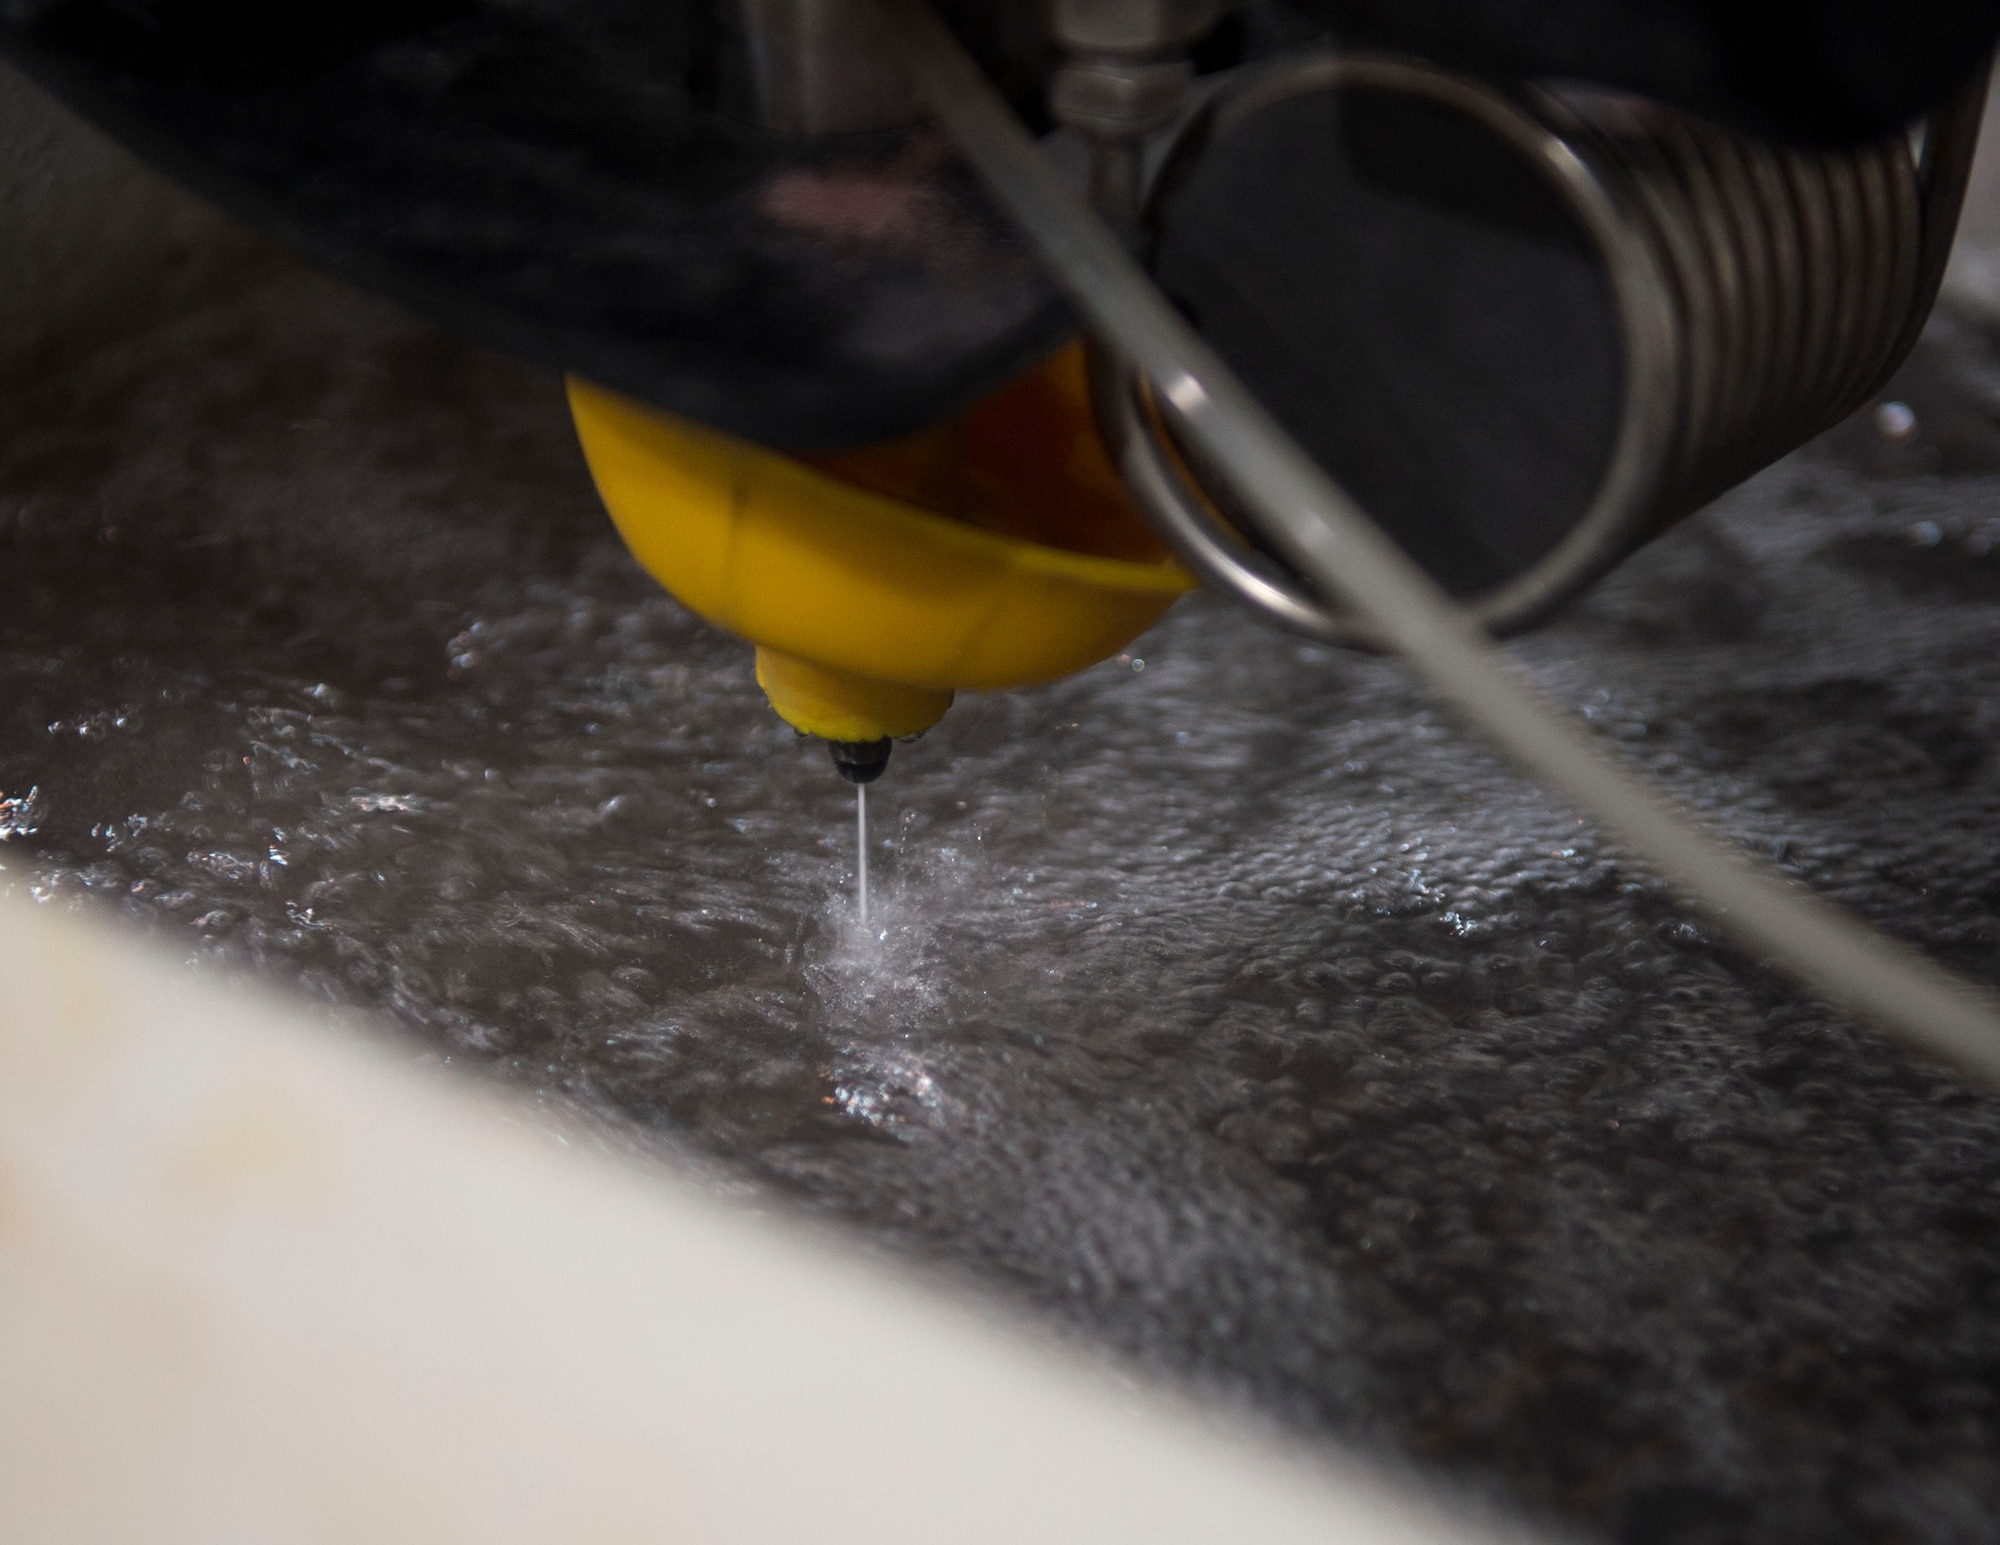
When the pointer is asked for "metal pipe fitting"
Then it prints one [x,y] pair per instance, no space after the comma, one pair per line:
[1126,76]
[824,67]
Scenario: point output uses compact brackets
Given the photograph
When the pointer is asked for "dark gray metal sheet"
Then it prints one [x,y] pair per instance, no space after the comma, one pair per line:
[1236,1013]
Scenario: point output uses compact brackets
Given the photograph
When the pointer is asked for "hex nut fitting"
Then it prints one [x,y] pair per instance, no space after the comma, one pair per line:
[1113,99]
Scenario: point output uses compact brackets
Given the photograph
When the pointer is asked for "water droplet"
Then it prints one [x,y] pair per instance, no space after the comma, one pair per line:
[1896,422]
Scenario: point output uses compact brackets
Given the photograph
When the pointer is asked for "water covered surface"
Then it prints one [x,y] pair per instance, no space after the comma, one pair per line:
[1235,1011]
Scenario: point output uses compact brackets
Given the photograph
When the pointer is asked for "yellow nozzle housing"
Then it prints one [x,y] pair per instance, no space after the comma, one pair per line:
[997,550]
[844,705]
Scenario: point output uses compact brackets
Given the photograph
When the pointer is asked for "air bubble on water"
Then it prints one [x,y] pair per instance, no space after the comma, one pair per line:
[1896,422]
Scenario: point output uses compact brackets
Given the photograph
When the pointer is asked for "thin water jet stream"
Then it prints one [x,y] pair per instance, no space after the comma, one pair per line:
[861,850]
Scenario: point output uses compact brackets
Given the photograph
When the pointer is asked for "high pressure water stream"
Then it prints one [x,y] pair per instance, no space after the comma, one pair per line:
[861,852]
[1239,1015]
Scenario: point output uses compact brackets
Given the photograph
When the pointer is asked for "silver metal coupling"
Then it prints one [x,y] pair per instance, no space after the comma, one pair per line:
[1126,76]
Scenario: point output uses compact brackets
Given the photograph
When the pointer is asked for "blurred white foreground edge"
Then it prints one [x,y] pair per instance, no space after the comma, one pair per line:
[263,1281]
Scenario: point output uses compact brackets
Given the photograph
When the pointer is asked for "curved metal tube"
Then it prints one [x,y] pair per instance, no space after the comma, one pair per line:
[1760,297]
[1180,514]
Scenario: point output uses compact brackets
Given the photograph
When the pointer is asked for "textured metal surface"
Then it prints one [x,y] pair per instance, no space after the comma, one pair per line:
[263,1282]
[1236,1013]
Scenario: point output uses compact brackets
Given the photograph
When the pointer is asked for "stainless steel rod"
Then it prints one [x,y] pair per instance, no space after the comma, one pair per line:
[1337,547]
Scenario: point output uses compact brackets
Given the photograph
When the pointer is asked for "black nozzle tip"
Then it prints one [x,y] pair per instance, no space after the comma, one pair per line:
[860,761]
